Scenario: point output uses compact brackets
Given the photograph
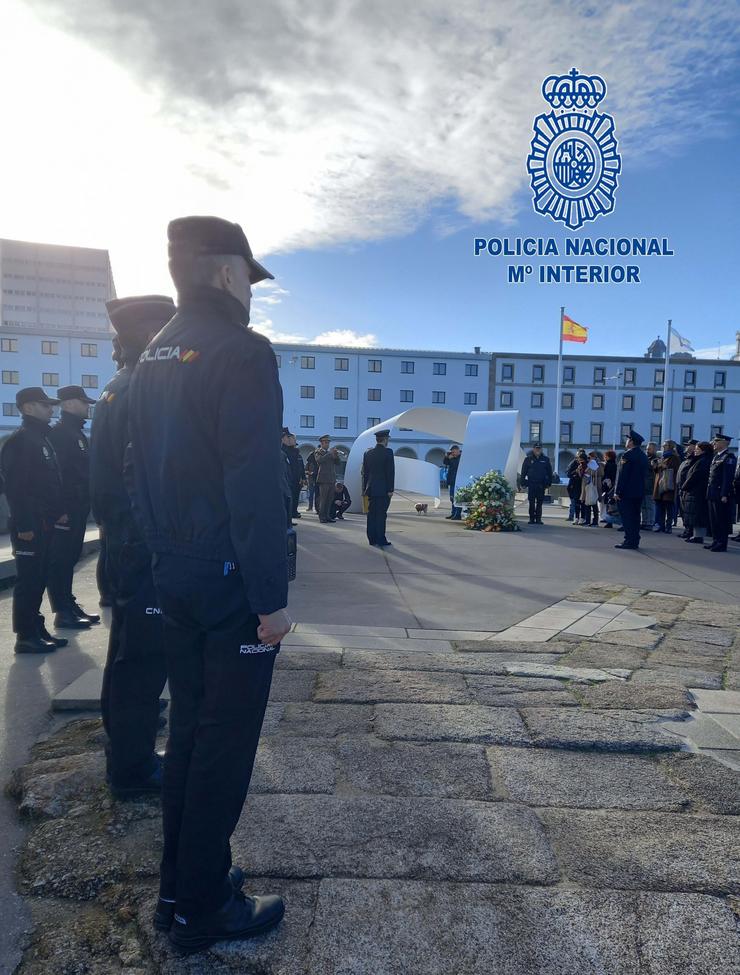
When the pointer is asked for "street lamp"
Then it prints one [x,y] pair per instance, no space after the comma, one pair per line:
[616,404]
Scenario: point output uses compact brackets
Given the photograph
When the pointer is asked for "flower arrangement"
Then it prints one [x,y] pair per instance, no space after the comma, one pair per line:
[489,504]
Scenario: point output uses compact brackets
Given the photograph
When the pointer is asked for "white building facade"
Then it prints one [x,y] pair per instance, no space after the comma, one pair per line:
[54,329]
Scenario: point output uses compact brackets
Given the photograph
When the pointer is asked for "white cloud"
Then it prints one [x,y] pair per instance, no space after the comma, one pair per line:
[717,351]
[346,336]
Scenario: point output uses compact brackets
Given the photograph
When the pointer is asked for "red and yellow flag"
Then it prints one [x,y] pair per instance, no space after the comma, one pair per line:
[573,332]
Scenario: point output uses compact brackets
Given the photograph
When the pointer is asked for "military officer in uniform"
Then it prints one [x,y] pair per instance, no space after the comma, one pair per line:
[73,454]
[630,489]
[205,423]
[134,674]
[719,492]
[378,475]
[33,487]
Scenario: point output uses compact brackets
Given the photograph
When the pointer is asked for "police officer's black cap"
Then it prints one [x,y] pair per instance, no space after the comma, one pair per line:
[691,443]
[286,432]
[536,444]
[33,394]
[73,392]
[382,434]
[191,237]
[636,438]
[722,436]
[137,317]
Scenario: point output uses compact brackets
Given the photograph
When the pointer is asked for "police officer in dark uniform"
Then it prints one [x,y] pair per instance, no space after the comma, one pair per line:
[134,674]
[719,492]
[73,454]
[209,477]
[33,486]
[536,476]
[296,469]
[378,476]
[101,577]
[630,489]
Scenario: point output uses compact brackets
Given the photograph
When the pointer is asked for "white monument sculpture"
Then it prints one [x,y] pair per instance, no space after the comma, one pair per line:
[490,440]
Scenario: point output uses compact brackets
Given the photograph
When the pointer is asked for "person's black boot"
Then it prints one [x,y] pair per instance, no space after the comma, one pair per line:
[79,611]
[67,620]
[164,914]
[241,917]
[33,644]
[56,641]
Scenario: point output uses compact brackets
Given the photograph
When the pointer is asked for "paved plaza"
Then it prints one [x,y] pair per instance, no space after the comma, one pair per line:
[483,753]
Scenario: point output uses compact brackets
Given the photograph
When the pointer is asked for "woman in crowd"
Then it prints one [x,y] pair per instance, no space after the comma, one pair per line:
[664,488]
[608,481]
[575,485]
[694,493]
[591,484]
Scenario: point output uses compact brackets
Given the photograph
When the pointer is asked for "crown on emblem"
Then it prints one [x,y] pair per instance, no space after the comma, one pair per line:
[573,90]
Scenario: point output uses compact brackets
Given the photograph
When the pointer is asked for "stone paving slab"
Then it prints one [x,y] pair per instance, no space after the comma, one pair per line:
[519,692]
[694,633]
[288,765]
[678,653]
[593,654]
[704,732]
[366,686]
[474,635]
[649,639]
[366,642]
[450,722]
[654,851]
[292,685]
[621,731]
[678,677]
[579,675]
[462,663]
[322,720]
[310,658]
[526,634]
[334,629]
[419,838]
[713,786]
[550,648]
[628,694]
[83,694]
[716,702]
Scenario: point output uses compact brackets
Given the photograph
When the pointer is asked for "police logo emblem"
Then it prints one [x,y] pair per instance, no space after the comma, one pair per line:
[46,452]
[573,162]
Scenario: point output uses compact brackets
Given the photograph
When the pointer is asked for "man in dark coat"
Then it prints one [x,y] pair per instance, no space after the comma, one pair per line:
[73,453]
[452,463]
[33,486]
[694,507]
[134,673]
[378,479]
[719,492]
[630,489]
[205,421]
[681,475]
[536,476]
[342,500]
[296,469]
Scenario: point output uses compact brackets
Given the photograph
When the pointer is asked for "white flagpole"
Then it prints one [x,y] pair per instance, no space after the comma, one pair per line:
[558,395]
[664,417]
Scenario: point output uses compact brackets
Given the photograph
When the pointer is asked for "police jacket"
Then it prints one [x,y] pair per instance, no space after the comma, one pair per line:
[378,471]
[296,468]
[631,473]
[721,475]
[536,471]
[452,464]
[205,418]
[33,481]
[111,505]
[73,455]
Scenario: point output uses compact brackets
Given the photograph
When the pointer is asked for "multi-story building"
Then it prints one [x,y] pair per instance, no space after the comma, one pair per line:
[343,391]
[602,397]
[54,329]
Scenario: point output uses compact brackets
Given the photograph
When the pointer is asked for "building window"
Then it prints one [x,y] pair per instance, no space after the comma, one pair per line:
[308,362]
[689,377]
[597,401]
[657,404]
[10,409]
[373,394]
[687,432]
[308,422]
[49,348]
[628,402]
[471,399]
[655,432]
[471,368]
[624,431]
[566,432]
[308,392]
[687,404]
[341,422]
[438,396]
[597,433]
[49,378]
[90,382]
[537,401]
[278,359]
[507,372]
[11,377]
[506,399]
[407,396]
[535,431]
[439,368]
[715,431]
[718,404]
[569,374]
[720,379]
[599,375]
[407,367]
[11,345]
[341,365]
[629,377]
[374,365]
[341,392]
[567,400]
[373,421]
[538,374]
[659,377]
[89,350]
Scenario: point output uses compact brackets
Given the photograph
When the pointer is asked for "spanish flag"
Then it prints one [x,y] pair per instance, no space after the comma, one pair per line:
[573,332]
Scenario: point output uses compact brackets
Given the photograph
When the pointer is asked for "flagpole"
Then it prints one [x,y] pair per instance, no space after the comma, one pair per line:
[556,462]
[664,417]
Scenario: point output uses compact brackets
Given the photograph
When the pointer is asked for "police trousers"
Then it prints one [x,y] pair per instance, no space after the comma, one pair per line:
[720,522]
[535,495]
[219,675]
[31,566]
[135,673]
[66,548]
[377,515]
[629,510]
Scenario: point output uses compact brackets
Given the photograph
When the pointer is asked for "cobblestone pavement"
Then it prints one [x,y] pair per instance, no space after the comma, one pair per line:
[440,804]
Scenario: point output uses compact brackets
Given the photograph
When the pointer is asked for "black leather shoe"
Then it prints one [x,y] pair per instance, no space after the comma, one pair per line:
[67,620]
[139,790]
[164,915]
[710,547]
[386,544]
[695,541]
[33,644]
[631,547]
[241,917]
[79,611]
[531,522]
[56,641]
